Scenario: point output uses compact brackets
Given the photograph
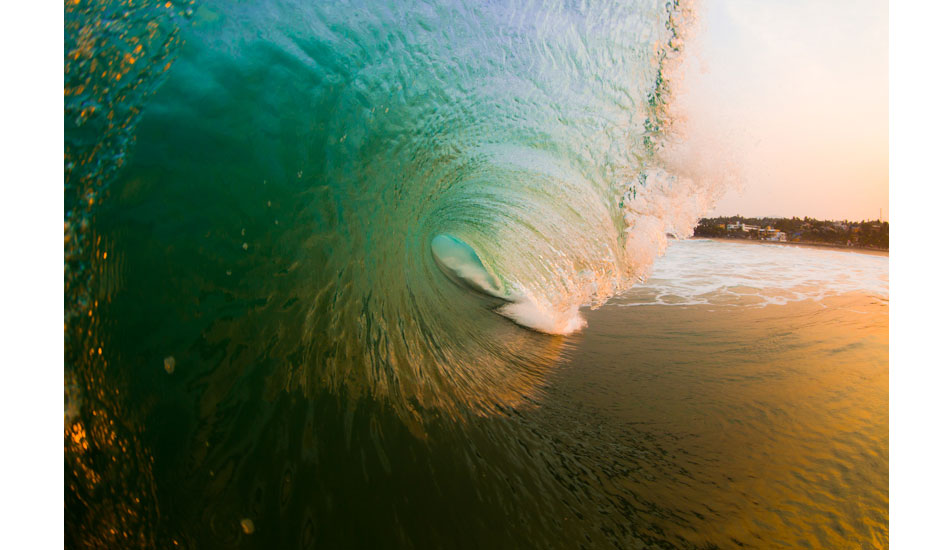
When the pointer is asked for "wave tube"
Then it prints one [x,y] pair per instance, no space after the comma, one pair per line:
[296,179]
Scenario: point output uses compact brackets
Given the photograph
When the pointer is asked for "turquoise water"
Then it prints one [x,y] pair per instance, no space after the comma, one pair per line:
[323,261]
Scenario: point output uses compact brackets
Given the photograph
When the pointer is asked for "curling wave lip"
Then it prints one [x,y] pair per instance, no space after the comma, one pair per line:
[461,263]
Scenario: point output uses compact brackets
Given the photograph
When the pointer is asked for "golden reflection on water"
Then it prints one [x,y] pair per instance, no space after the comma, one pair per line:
[494,365]
[774,420]
[110,495]
[776,426]
[108,472]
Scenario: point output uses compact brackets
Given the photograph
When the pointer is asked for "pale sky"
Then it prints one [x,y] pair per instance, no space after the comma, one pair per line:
[796,93]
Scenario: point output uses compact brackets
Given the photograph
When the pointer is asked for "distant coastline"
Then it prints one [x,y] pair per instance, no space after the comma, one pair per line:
[873,236]
[871,251]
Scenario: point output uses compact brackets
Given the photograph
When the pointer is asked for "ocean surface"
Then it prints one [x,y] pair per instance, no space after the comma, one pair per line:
[363,275]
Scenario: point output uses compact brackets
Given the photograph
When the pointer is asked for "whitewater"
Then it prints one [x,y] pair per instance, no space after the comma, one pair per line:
[362,235]
[345,140]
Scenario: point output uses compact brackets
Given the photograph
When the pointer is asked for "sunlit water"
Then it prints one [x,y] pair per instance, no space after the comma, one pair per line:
[732,424]
[753,412]
[328,270]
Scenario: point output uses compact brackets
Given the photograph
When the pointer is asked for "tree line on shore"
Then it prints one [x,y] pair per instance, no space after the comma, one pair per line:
[863,234]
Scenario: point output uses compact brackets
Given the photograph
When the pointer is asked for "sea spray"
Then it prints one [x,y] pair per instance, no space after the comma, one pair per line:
[346,140]
[257,189]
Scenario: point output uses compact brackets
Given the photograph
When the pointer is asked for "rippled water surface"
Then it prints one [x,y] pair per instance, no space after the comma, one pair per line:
[690,426]
[755,414]
[328,269]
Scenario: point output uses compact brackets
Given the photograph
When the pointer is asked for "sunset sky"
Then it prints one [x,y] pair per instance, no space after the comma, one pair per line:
[797,94]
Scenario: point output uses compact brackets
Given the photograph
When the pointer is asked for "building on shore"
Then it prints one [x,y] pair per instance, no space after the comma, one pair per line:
[864,234]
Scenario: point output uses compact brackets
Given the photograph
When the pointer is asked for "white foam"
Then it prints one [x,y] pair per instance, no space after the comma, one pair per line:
[459,259]
[529,313]
[709,272]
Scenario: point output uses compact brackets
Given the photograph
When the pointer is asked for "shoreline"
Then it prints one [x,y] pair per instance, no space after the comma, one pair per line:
[871,251]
